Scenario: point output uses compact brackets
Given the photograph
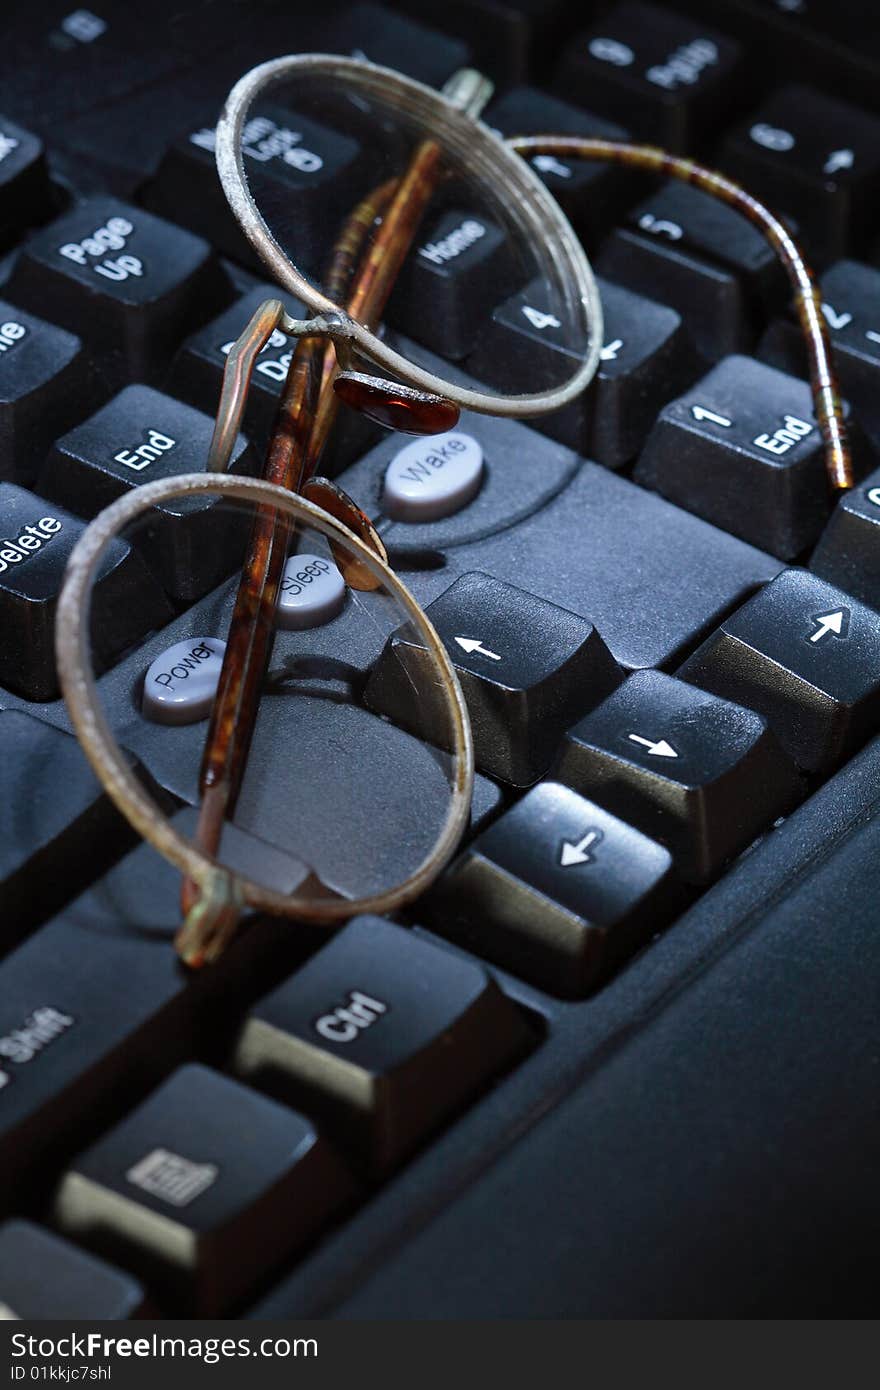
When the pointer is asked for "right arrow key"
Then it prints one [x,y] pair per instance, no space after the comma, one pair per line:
[695,772]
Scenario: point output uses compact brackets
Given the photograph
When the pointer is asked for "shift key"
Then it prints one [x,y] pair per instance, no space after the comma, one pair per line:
[95,1007]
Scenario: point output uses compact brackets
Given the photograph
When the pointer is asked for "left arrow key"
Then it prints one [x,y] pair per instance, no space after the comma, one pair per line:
[527,669]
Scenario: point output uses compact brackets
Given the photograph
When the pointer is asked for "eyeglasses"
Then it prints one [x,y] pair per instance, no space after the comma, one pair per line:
[310,805]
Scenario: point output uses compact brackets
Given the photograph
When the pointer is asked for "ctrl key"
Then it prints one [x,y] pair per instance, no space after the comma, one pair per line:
[42,1277]
[382,1035]
[202,1191]
[558,891]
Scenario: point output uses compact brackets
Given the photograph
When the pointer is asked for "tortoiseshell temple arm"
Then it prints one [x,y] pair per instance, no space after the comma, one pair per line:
[807,299]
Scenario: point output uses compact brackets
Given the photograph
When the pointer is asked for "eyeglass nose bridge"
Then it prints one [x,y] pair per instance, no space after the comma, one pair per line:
[389,403]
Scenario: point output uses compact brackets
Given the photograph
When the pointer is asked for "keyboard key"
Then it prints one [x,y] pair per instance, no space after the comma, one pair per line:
[292,157]
[58,828]
[433,478]
[460,269]
[180,683]
[525,346]
[203,1189]
[44,387]
[699,774]
[848,553]
[851,303]
[647,357]
[591,194]
[36,538]
[354,1038]
[816,160]
[139,436]
[394,41]
[43,1277]
[24,181]
[557,890]
[95,1008]
[526,668]
[806,656]
[508,37]
[742,449]
[704,259]
[197,375]
[312,593]
[667,78]
[130,284]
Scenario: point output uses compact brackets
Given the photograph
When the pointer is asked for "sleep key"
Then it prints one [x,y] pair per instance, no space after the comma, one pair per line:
[312,591]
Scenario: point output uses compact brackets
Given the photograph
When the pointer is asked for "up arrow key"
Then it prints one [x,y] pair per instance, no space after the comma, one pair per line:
[835,624]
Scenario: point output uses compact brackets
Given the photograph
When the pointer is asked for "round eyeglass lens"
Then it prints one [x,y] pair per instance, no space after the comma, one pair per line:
[363,190]
[357,780]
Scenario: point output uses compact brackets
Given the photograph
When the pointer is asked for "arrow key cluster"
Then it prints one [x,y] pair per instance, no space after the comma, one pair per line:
[807,657]
[700,774]
[557,890]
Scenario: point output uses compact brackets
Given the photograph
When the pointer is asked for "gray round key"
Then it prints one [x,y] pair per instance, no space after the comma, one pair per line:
[180,684]
[312,592]
[432,478]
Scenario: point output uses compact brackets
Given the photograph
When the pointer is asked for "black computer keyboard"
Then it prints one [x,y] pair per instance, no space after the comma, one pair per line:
[621,1059]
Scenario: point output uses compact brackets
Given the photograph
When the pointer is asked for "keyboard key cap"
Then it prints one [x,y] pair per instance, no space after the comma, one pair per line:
[592,195]
[433,478]
[58,828]
[508,37]
[524,346]
[814,159]
[312,593]
[95,1008]
[130,284]
[354,1038]
[699,774]
[394,41]
[667,78]
[203,1189]
[557,890]
[293,157]
[806,656]
[42,1277]
[526,667]
[180,684]
[851,303]
[139,436]
[45,386]
[197,375]
[704,259]
[460,269]
[24,181]
[36,538]
[848,553]
[742,449]
[647,357]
